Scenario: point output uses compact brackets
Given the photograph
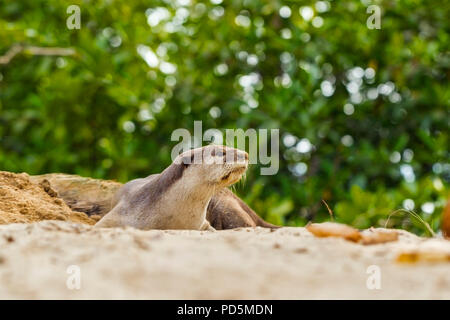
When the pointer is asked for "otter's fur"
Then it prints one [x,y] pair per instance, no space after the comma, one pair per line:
[228,211]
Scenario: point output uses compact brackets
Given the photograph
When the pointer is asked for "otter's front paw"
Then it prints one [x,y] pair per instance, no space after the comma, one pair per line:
[207,226]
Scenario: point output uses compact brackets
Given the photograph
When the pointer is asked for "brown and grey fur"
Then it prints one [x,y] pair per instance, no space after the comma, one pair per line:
[228,211]
[178,197]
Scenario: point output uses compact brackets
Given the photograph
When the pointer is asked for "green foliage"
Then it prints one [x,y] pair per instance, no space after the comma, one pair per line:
[105,112]
[364,209]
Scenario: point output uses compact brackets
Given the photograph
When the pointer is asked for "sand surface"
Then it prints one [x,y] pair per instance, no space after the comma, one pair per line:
[49,250]
[289,263]
[23,201]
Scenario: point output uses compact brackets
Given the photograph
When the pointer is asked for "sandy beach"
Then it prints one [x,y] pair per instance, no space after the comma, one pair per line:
[38,259]
[50,251]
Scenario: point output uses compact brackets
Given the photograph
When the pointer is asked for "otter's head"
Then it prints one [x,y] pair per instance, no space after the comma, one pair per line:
[213,165]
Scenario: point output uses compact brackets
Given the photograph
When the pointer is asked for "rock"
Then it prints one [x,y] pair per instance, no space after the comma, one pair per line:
[91,196]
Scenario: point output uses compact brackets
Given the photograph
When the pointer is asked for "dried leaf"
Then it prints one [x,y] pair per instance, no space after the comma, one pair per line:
[331,229]
[373,236]
[421,256]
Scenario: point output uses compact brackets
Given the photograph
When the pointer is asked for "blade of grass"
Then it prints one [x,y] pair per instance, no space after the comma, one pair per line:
[329,210]
[415,215]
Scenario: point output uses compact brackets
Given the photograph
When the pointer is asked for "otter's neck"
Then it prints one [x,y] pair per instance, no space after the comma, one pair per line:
[188,204]
[198,195]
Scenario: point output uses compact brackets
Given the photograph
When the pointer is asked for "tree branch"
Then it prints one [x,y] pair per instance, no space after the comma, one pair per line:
[35,51]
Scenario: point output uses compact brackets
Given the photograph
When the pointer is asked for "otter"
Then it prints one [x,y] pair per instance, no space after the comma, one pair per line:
[95,197]
[178,197]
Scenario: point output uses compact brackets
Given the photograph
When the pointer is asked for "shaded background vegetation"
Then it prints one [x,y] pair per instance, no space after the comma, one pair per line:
[363,114]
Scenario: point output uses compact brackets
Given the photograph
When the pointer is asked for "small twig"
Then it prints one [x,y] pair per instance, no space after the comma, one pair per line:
[49,51]
[329,210]
[35,51]
[11,53]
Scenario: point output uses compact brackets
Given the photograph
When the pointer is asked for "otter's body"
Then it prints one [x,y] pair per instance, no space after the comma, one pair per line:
[141,205]
[97,198]
[178,197]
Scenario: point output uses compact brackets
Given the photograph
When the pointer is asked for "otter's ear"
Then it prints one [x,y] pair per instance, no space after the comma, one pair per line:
[187,161]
